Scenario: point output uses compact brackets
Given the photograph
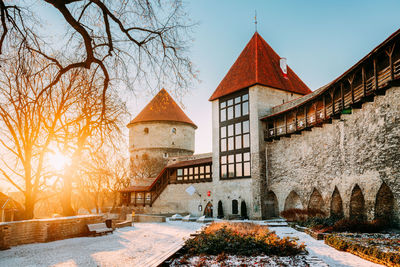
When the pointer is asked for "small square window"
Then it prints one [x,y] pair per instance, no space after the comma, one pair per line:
[237,99]
[238,128]
[223,160]
[230,113]
[231,159]
[223,114]
[238,157]
[245,97]
[246,127]
[223,144]
[246,156]
[230,130]
[238,110]
[239,172]
[208,169]
[223,132]
[223,104]
[246,140]
[224,171]
[230,102]
[245,109]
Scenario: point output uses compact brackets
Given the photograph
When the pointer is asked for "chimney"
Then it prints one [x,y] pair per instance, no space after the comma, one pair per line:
[283,65]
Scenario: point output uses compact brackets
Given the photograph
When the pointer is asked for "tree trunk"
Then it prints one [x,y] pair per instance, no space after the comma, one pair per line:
[66,194]
[29,206]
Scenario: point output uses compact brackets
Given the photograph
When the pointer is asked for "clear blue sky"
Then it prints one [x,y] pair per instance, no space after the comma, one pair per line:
[320,39]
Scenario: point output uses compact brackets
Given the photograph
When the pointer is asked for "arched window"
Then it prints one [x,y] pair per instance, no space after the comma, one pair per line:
[235,207]
[174,130]
[146,130]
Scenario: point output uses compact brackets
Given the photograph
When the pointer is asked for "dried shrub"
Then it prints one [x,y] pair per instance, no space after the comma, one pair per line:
[357,226]
[241,239]
[301,215]
[338,242]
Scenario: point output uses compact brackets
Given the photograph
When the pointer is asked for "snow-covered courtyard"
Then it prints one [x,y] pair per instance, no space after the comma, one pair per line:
[134,246]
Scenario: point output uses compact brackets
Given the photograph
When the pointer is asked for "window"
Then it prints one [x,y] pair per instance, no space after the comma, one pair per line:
[194,173]
[174,130]
[235,136]
[146,130]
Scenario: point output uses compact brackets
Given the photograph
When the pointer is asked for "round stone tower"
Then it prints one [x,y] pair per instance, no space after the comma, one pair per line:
[161,130]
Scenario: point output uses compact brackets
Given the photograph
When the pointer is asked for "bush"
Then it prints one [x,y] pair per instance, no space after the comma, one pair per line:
[301,215]
[356,226]
[244,239]
[338,242]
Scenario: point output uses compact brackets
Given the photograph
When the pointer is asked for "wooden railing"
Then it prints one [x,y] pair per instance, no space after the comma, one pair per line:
[355,95]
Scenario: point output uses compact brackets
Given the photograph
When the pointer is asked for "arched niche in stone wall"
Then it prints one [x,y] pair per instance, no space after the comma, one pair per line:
[220,210]
[316,201]
[271,205]
[235,206]
[357,204]
[293,201]
[336,204]
[384,203]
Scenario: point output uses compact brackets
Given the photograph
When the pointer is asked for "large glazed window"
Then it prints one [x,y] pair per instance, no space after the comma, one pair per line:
[234,136]
[198,173]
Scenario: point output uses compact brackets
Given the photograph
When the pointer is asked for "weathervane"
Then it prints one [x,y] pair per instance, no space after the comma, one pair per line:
[255,19]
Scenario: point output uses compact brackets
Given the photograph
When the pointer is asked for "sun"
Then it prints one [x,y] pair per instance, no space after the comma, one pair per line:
[58,161]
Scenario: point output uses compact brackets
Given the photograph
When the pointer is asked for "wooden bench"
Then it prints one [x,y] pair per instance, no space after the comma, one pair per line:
[99,229]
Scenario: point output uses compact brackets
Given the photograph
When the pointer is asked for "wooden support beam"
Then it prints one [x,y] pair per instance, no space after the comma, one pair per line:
[389,53]
[285,117]
[296,128]
[351,79]
[342,96]
[305,116]
[324,103]
[364,82]
[333,101]
[315,113]
[375,75]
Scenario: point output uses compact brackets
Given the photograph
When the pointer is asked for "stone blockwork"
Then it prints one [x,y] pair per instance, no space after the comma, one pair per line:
[175,199]
[44,230]
[361,149]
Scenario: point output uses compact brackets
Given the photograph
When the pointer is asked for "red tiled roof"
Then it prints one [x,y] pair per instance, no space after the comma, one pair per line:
[135,189]
[162,108]
[191,162]
[7,202]
[259,64]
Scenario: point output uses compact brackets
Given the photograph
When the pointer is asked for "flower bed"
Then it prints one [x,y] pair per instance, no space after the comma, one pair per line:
[225,260]
[378,248]
[240,243]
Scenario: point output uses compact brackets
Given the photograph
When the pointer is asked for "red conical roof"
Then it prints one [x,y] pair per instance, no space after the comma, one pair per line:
[258,64]
[162,108]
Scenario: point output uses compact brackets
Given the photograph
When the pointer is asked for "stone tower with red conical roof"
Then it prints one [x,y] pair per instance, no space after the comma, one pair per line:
[254,84]
[161,130]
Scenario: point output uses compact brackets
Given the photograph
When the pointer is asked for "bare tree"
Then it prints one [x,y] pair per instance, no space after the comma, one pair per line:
[102,177]
[139,41]
[146,166]
[28,122]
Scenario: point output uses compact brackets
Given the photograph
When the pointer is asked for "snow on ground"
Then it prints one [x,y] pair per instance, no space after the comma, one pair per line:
[318,248]
[128,246]
[131,246]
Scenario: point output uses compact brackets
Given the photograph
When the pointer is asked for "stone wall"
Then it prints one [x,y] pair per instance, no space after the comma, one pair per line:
[174,199]
[173,135]
[357,157]
[261,100]
[44,230]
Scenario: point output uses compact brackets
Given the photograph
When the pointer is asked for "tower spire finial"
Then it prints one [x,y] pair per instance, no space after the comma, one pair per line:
[255,19]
